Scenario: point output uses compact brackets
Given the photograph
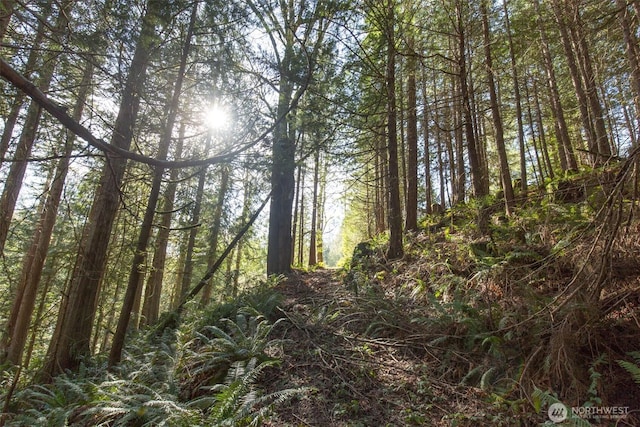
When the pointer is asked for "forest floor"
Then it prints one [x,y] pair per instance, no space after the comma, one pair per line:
[356,380]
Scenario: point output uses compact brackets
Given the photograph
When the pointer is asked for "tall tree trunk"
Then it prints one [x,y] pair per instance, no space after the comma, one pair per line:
[531,122]
[411,208]
[33,262]
[75,322]
[395,249]
[426,147]
[18,101]
[479,181]
[505,173]
[518,100]
[153,288]
[13,182]
[322,198]
[187,272]
[301,219]
[602,143]
[559,12]
[279,246]
[633,55]
[214,235]
[565,149]
[313,259]
[244,217]
[542,133]
[297,204]
[136,275]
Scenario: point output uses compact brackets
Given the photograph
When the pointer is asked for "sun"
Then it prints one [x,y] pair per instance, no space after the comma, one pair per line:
[217,118]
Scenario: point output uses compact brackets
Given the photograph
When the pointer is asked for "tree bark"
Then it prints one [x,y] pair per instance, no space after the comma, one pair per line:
[411,208]
[395,249]
[75,321]
[518,100]
[633,55]
[313,259]
[214,235]
[33,262]
[136,275]
[505,173]
[15,177]
[565,149]
[479,181]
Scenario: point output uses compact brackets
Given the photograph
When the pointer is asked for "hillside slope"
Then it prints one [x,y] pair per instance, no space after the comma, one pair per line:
[470,328]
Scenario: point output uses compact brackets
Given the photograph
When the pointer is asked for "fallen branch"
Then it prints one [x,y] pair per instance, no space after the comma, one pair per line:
[60,113]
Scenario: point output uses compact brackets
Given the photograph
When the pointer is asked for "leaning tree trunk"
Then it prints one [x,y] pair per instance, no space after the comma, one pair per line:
[71,342]
[565,149]
[602,143]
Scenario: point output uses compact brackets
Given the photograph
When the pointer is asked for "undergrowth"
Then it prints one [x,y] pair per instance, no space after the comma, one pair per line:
[204,373]
[521,308]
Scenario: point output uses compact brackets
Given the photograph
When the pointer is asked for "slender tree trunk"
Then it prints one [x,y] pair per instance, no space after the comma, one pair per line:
[75,322]
[313,259]
[301,220]
[136,275]
[565,149]
[13,183]
[193,232]
[602,143]
[426,147]
[479,181]
[518,100]
[505,173]
[411,208]
[214,235]
[33,262]
[153,288]
[382,187]
[536,150]
[322,198]
[296,205]
[18,101]
[633,54]
[244,217]
[559,12]
[542,132]
[395,249]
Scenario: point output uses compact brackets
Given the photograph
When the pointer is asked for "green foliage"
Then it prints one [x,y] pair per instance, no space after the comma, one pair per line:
[197,375]
[633,368]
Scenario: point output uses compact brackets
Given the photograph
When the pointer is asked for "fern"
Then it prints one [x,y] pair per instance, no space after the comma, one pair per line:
[239,403]
[54,404]
[632,368]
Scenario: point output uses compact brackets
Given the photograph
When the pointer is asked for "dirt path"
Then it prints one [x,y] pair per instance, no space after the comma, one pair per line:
[356,380]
